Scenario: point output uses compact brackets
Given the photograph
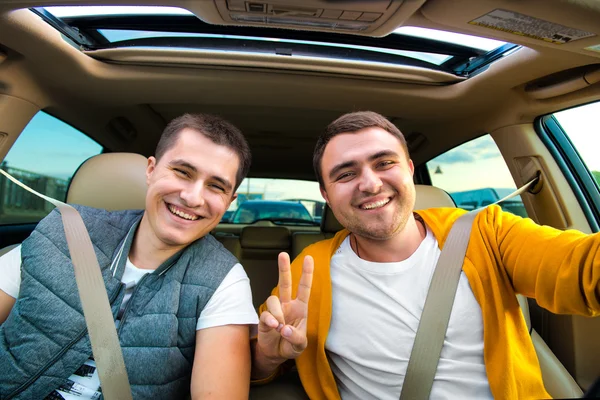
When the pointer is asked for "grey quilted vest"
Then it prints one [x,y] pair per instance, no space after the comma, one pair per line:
[44,340]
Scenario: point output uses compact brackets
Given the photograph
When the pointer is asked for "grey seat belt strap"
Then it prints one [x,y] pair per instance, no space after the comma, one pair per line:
[94,301]
[429,339]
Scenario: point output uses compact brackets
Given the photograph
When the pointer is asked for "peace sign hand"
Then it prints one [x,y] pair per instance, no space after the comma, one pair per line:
[282,328]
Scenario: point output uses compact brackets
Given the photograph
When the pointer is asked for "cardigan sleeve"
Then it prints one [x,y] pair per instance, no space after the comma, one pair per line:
[560,269]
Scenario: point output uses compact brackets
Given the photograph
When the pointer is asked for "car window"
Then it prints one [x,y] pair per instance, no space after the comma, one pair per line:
[44,157]
[278,211]
[276,199]
[475,175]
[580,124]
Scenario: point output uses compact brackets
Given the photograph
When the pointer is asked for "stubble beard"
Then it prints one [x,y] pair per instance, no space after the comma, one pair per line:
[382,230]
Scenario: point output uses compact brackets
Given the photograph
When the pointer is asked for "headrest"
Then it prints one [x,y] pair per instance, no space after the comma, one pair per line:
[329,223]
[432,197]
[111,181]
[265,237]
[427,197]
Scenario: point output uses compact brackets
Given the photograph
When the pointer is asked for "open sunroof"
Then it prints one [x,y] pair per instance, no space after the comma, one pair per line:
[101,27]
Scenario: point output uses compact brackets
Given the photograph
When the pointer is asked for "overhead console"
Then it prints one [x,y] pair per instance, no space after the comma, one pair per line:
[368,17]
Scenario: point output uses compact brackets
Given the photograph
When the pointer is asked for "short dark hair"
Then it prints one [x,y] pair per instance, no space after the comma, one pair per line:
[351,123]
[218,130]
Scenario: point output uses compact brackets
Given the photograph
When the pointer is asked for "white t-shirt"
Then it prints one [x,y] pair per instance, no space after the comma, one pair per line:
[375,315]
[231,304]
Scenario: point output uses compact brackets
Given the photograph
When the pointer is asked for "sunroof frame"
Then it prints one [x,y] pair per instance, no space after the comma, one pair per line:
[84,32]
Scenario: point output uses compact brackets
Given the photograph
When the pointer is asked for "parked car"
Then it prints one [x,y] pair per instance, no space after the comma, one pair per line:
[288,212]
[473,199]
[227,216]
[314,207]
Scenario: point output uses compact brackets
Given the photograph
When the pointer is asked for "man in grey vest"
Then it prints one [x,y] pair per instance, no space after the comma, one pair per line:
[181,302]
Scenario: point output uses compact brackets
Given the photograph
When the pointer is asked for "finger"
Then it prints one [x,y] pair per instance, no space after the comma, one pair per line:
[306,280]
[267,322]
[274,307]
[296,337]
[285,278]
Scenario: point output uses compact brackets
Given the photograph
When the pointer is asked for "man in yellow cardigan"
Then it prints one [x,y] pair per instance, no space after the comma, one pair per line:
[351,328]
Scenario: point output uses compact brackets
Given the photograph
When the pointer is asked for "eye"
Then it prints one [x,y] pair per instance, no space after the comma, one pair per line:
[181,172]
[345,176]
[386,163]
[218,187]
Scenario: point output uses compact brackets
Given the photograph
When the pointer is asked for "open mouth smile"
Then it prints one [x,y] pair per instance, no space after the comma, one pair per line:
[181,214]
[375,204]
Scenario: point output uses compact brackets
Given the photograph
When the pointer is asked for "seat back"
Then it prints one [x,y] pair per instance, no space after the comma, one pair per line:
[260,248]
[557,380]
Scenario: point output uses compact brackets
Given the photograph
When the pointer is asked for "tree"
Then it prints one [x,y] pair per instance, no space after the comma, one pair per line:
[596,176]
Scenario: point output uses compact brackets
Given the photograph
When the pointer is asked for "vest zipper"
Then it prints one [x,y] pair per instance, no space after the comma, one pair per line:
[58,355]
[135,289]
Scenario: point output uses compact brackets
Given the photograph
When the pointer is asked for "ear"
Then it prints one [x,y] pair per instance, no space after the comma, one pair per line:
[411,165]
[324,194]
[150,168]
[232,199]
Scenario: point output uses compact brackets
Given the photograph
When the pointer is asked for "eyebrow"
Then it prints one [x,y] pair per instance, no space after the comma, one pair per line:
[349,164]
[185,164]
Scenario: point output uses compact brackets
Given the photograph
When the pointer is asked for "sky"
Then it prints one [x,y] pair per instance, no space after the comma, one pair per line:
[473,165]
[582,125]
[50,147]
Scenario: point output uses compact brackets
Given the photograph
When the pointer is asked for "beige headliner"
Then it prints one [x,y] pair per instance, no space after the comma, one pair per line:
[283,104]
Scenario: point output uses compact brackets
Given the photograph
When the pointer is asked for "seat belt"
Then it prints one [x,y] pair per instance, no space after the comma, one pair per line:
[429,339]
[94,301]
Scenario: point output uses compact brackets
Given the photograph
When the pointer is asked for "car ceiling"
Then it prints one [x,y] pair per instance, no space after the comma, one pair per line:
[282,109]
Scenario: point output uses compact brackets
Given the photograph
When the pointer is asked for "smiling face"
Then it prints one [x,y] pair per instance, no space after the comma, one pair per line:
[368,182]
[189,189]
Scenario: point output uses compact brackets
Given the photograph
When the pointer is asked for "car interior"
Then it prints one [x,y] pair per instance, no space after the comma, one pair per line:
[282,70]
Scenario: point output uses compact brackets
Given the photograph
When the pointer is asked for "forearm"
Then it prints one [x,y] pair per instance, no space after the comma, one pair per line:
[263,367]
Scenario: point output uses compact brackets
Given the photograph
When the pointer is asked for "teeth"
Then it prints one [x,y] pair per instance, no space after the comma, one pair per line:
[182,214]
[378,204]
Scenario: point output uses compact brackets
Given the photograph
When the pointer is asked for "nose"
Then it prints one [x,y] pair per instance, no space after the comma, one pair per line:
[192,195]
[370,181]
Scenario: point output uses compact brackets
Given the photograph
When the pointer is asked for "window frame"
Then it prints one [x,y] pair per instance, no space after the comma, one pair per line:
[580,179]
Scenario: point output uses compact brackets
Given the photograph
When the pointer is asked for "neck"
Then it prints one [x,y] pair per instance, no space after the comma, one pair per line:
[147,251]
[395,249]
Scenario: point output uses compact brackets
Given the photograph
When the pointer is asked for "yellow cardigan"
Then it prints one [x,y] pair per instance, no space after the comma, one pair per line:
[506,255]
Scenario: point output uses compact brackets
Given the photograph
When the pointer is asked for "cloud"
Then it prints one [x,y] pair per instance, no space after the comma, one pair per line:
[478,149]
[455,156]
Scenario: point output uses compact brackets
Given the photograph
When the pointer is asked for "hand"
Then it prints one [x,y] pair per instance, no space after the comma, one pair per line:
[282,328]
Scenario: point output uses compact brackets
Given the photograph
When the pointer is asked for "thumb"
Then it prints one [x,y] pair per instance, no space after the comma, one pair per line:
[296,336]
